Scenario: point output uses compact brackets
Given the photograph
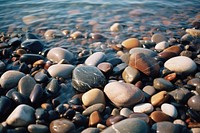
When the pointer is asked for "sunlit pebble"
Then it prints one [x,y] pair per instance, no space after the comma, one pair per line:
[65,32]
[120,53]
[116,27]
[76,34]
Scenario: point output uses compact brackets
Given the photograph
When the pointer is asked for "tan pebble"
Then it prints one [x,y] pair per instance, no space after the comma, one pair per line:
[52,33]
[120,53]
[131,43]
[76,34]
[20,52]
[158,98]
[65,32]
[39,63]
[130,74]
[101,126]
[115,112]
[94,119]
[193,32]
[116,27]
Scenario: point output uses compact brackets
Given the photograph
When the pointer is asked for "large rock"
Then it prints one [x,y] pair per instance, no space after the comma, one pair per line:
[10,79]
[22,115]
[86,77]
[57,54]
[131,125]
[181,64]
[123,94]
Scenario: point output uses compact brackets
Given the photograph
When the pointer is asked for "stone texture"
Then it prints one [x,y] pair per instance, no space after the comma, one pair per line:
[131,43]
[95,59]
[116,27]
[92,97]
[85,78]
[158,116]
[181,64]
[94,118]
[32,45]
[146,64]
[10,79]
[61,70]
[22,115]
[57,54]
[123,94]
[161,46]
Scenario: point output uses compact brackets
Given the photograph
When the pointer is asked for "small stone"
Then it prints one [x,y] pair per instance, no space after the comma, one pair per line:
[85,78]
[143,108]
[92,97]
[116,27]
[193,32]
[95,107]
[62,126]
[57,54]
[5,106]
[195,130]
[187,53]
[30,19]
[158,116]
[128,125]
[105,67]
[22,115]
[188,66]
[52,33]
[165,127]
[2,66]
[173,49]
[38,128]
[61,70]
[161,46]
[180,94]
[162,84]
[26,85]
[95,59]
[125,58]
[95,118]
[32,45]
[179,122]
[114,119]
[115,112]
[147,52]
[159,98]
[131,43]
[130,74]
[146,64]
[76,34]
[167,55]
[53,86]
[158,38]
[36,94]
[30,58]
[10,79]
[169,109]
[123,94]
[194,82]
[170,77]
[194,102]
[117,70]
[125,112]
[149,90]
[39,63]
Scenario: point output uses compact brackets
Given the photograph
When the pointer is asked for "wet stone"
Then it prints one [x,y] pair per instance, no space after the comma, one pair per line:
[41,77]
[173,49]
[125,58]
[52,33]
[53,86]
[165,127]
[158,38]
[161,46]
[158,98]
[180,95]
[105,67]
[38,128]
[95,107]
[41,114]
[114,119]
[125,112]
[194,82]
[19,98]
[94,118]
[5,107]
[162,84]
[86,77]
[32,45]
[30,58]
[194,102]
[114,61]
[130,74]
[149,90]
[116,27]
[141,116]
[95,59]
[119,68]
[36,94]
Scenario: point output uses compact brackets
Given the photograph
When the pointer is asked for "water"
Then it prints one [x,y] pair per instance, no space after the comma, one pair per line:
[137,16]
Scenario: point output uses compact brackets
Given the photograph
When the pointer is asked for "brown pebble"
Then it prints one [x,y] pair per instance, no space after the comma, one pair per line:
[39,63]
[170,77]
[158,116]
[158,98]
[20,52]
[114,119]
[175,49]
[95,118]
[131,43]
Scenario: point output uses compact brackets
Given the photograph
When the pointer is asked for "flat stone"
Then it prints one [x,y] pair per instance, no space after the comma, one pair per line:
[26,85]
[158,98]
[63,71]
[10,79]
[95,107]
[158,116]
[22,115]
[161,45]
[162,84]
[116,27]
[143,108]
[131,43]
[85,78]
[62,126]
[124,94]
[194,102]
[158,38]
[165,127]
[188,66]
[33,45]
[130,74]
[128,125]
[93,96]
[146,64]
[95,59]
[38,128]
[57,54]
[145,51]
[91,130]
[169,109]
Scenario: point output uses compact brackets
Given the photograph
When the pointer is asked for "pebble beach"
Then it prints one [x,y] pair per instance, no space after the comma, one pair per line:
[100,67]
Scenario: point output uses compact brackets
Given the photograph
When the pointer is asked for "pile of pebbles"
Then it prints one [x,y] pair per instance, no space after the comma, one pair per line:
[149,85]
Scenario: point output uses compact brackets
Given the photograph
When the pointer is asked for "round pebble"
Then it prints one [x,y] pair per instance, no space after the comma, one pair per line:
[169,109]
[194,102]
[116,27]
[130,74]
[158,38]
[165,127]
[162,84]
[159,98]
[38,128]
[143,108]
[131,43]
[161,46]
[95,59]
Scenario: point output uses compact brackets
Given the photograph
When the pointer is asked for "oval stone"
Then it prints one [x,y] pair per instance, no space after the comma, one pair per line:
[173,49]
[165,127]
[158,98]
[22,115]
[145,51]
[92,97]
[57,54]
[158,38]
[52,33]
[162,84]
[86,77]
[188,66]
[36,94]
[158,116]
[30,58]
[131,43]
[32,45]
[130,74]
[194,102]
[161,46]
[95,59]
[130,125]
[143,108]
[95,107]
[38,128]
[116,27]
[62,126]
[91,130]
[169,109]
[61,70]
[125,112]
[10,79]
[114,119]
[123,94]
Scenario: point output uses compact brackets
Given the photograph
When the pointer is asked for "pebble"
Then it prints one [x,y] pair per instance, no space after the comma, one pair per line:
[169,109]
[194,82]
[53,86]
[26,85]
[125,112]
[116,27]
[63,71]
[165,127]
[95,59]
[93,96]
[114,119]
[180,94]
[57,54]
[161,45]
[173,49]
[36,94]
[130,74]
[131,43]
[146,64]
[94,118]
[32,45]
[10,79]
[159,98]
[125,58]
[158,116]
[194,102]
[158,38]
[105,67]
[124,94]
[147,52]
[62,126]
[143,108]
[91,130]
[141,116]
[162,84]
[95,107]
[22,115]
[38,128]
[149,90]
[193,32]
[188,66]
[30,58]
[85,78]
[52,33]
[76,34]
[128,125]
[5,106]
